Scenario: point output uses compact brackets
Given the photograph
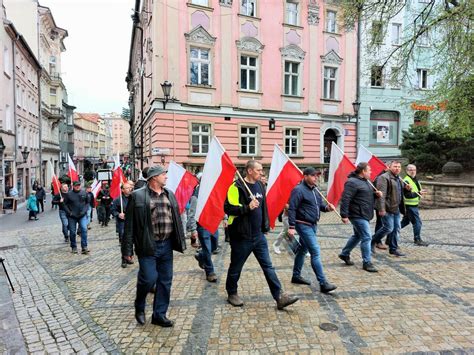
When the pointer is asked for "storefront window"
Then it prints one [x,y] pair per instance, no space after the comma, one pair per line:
[384,128]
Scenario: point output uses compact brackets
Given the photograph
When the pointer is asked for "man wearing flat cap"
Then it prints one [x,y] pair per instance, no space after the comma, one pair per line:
[303,216]
[153,226]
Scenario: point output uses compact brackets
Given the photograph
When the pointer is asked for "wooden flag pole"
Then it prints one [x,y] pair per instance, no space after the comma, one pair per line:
[248,189]
[405,183]
[121,202]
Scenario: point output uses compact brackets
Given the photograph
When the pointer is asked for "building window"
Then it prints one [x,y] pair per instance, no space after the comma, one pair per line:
[248,140]
[6,61]
[248,8]
[384,128]
[248,73]
[330,80]
[422,78]
[395,77]
[200,2]
[396,33]
[52,65]
[200,137]
[200,66]
[291,78]
[52,91]
[376,76]
[292,12]
[377,32]
[331,24]
[424,38]
[225,2]
[292,140]
[8,118]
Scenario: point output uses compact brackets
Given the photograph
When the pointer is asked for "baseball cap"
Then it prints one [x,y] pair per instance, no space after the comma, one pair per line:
[311,171]
[75,183]
[155,171]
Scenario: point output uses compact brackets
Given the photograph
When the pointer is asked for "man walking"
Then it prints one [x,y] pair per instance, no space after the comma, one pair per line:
[248,221]
[59,201]
[411,199]
[119,206]
[389,206]
[303,216]
[76,204]
[153,226]
[357,206]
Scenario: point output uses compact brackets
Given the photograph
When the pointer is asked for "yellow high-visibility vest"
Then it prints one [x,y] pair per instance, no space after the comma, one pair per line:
[415,200]
[233,198]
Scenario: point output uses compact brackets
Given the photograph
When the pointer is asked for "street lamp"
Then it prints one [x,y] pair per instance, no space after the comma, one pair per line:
[25,154]
[356,106]
[2,147]
[166,87]
[271,124]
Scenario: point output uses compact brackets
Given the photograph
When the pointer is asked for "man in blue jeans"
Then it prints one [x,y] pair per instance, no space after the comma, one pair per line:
[76,204]
[248,222]
[357,206]
[303,216]
[58,201]
[389,206]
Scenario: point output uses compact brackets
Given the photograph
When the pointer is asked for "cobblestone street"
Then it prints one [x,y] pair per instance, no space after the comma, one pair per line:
[68,303]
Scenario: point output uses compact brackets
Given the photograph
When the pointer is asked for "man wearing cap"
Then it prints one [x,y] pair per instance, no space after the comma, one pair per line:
[153,226]
[303,216]
[76,204]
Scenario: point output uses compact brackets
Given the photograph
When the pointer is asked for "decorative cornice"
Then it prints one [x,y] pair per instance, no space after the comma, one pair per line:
[250,44]
[331,58]
[292,51]
[313,13]
[200,35]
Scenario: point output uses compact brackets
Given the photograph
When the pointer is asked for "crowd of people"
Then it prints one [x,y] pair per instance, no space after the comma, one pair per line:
[150,226]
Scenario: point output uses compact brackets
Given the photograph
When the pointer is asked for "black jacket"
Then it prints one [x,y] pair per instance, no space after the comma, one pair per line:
[358,198]
[57,201]
[40,193]
[240,227]
[139,229]
[305,205]
[76,203]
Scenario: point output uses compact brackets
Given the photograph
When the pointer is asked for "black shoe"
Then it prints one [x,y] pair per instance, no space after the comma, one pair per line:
[346,259]
[66,240]
[396,253]
[162,321]
[140,317]
[300,280]
[369,267]
[217,251]
[421,243]
[74,250]
[124,264]
[201,265]
[327,287]
[85,251]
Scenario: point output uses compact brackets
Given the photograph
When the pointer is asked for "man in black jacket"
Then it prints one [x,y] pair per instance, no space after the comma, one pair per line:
[357,206]
[76,204]
[153,226]
[248,221]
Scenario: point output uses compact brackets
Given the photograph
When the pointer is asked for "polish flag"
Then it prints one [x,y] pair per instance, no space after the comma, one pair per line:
[217,176]
[376,165]
[182,183]
[118,178]
[55,181]
[96,188]
[284,176]
[72,171]
[339,168]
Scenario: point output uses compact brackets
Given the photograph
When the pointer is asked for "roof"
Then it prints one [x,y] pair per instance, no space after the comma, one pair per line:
[92,117]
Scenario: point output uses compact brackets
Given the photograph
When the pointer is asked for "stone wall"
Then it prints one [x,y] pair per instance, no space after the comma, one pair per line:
[442,194]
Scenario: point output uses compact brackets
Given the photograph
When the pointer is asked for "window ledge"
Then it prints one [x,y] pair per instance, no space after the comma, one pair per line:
[384,145]
[200,7]
[296,156]
[249,156]
[377,87]
[7,75]
[293,96]
[332,33]
[250,17]
[297,27]
[209,87]
[331,100]
[197,155]
[250,92]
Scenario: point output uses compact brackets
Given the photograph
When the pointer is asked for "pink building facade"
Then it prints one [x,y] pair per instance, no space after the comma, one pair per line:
[252,73]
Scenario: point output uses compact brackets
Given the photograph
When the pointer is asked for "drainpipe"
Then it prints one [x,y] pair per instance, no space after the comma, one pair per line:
[15,175]
[40,144]
[136,22]
[359,13]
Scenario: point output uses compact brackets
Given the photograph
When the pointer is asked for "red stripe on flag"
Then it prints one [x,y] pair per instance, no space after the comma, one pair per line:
[376,166]
[118,178]
[340,177]
[213,211]
[56,185]
[185,190]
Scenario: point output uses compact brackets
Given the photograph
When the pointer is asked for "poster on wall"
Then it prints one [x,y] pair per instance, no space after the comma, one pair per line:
[383,132]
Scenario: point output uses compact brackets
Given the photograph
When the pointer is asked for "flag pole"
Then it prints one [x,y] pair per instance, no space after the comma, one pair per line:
[325,199]
[56,180]
[248,189]
[405,183]
[121,202]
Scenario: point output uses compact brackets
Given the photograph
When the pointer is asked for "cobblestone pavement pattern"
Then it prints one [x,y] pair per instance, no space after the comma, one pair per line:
[68,303]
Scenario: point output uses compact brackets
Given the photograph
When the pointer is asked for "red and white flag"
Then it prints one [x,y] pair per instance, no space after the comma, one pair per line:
[72,171]
[217,176]
[339,168]
[54,180]
[96,188]
[182,183]
[118,178]
[376,165]
[284,176]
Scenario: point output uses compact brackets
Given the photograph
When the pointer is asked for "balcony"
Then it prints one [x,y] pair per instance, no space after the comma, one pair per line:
[56,79]
[54,114]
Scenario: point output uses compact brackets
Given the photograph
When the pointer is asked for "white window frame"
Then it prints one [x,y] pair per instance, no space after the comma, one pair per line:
[204,3]
[423,79]
[200,134]
[248,136]
[291,74]
[200,62]
[327,83]
[394,77]
[382,79]
[292,15]
[247,9]
[379,36]
[396,34]
[248,68]
[331,22]
[9,118]
[290,136]
[424,39]
[7,63]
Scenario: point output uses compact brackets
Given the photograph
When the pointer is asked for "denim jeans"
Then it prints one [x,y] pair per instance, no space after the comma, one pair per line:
[72,224]
[412,216]
[156,269]
[214,241]
[89,214]
[361,234]
[309,243]
[65,223]
[390,227]
[283,232]
[205,238]
[240,251]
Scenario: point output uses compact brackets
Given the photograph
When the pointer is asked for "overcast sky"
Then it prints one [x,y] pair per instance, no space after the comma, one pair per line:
[95,63]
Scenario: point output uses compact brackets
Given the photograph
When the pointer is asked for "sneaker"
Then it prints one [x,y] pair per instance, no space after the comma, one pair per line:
[381,246]
[327,287]
[308,254]
[276,248]
[346,259]
[217,251]
[196,256]
[74,250]
[66,240]
[285,300]
[397,253]
[85,251]
[369,267]
[235,300]
[421,243]
[212,277]
[300,280]
[124,263]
